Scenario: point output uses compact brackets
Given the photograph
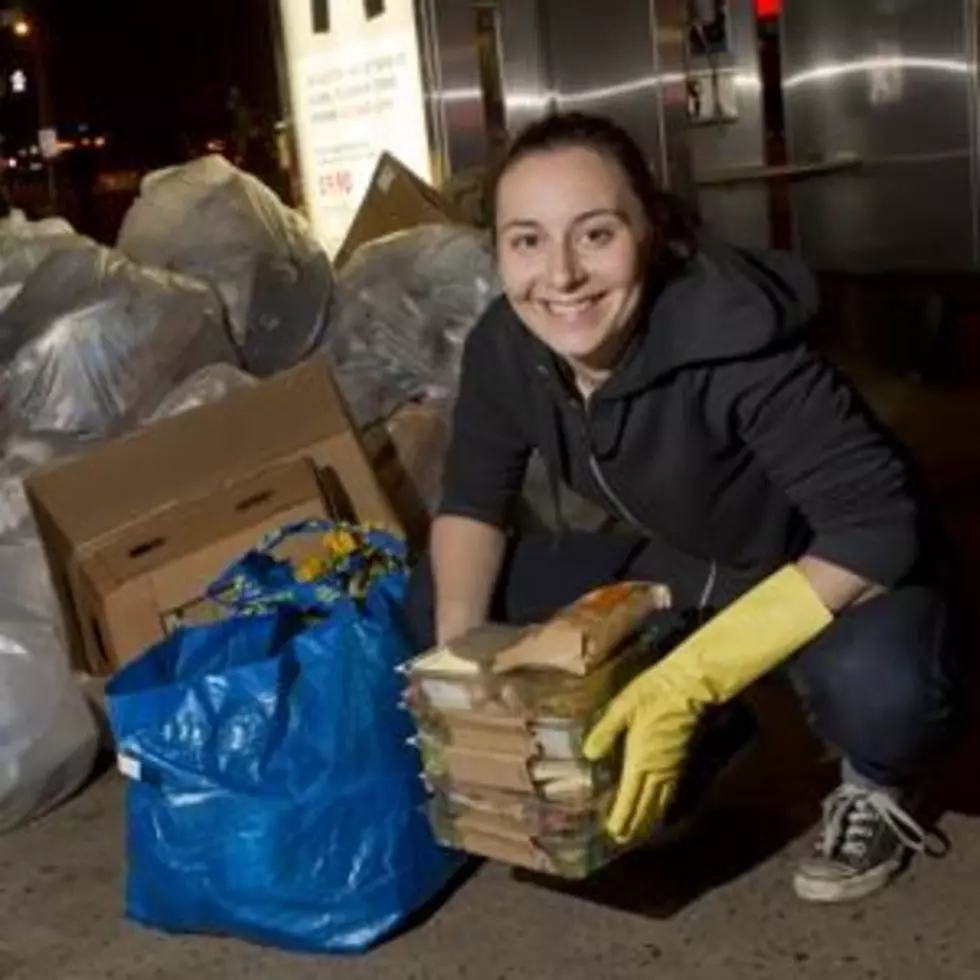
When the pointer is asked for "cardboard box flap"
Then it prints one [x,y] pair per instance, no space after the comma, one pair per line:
[131,590]
[396,199]
[158,541]
[197,453]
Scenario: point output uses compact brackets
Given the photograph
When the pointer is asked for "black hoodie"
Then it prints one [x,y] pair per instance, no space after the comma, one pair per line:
[720,432]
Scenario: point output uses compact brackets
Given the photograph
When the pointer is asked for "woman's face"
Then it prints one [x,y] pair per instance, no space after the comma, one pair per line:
[572,243]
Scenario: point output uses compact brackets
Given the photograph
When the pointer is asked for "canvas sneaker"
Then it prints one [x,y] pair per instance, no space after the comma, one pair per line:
[865,840]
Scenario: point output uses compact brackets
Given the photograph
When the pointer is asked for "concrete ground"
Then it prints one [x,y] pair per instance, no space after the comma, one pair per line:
[717,905]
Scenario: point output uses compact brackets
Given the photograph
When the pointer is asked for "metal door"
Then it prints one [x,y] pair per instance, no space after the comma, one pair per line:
[559,54]
[893,83]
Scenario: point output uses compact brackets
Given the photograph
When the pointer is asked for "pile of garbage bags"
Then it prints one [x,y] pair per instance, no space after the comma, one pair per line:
[92,340]
[214,283]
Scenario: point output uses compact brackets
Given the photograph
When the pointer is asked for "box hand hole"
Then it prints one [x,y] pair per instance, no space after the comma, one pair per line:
[256,500]
[138,551]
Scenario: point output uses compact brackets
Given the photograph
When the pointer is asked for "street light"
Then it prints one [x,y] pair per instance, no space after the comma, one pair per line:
[22,27]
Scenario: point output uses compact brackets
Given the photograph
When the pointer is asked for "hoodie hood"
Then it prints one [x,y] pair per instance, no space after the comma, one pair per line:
[726,304]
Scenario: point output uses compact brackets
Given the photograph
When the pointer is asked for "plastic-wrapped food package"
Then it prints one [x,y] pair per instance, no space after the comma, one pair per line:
[210,384]
[93,341]
[48,734]
[534,815]
[571,854]
[444,681]
[403,308]
[208,219]
[502,754]
[502,714]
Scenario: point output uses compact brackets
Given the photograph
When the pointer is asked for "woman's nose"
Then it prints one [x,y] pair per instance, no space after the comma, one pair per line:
[564,268]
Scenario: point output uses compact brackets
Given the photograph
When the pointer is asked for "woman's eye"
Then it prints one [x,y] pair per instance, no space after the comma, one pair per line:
[597,237]
[524,243]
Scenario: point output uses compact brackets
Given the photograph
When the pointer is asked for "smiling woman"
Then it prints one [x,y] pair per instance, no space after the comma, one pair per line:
[578,219]
[573,240]
[667,379]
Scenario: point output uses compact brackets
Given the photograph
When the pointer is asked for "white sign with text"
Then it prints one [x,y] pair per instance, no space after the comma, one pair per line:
[356,88]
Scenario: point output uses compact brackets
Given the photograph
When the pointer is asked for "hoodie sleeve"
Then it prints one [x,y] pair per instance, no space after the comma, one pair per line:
[819,444]
[488,453]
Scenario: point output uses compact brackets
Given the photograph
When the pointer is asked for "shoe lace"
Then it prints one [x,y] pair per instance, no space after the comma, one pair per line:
[852,815]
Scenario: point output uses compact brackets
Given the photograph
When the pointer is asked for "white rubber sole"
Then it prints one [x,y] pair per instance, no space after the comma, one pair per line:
[836,891]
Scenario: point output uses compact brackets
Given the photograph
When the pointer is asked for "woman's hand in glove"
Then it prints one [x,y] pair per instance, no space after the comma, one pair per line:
[658,720]
[660,709]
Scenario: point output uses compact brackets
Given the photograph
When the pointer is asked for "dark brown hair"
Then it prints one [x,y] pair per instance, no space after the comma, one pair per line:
[672,220]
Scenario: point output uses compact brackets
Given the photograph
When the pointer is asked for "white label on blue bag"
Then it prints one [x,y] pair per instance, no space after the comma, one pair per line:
[130,768]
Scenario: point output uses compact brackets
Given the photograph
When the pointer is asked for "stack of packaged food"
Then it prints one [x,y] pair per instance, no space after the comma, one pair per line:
[502,714]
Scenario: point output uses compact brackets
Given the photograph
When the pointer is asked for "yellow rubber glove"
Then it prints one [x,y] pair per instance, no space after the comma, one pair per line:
[660,709]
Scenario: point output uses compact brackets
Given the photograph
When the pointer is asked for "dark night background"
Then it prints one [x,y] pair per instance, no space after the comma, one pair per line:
[154,73]
[154,83]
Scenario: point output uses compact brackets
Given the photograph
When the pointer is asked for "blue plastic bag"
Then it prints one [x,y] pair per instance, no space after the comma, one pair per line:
[274,795]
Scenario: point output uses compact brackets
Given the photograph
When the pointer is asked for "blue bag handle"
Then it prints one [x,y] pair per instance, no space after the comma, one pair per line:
[259,582]
[382,541]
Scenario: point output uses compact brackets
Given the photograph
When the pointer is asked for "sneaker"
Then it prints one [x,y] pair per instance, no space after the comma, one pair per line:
[865,841]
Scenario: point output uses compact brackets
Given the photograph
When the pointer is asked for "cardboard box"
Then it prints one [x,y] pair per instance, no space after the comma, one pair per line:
[134,586]
[395,200]
[407,451]
[81,505]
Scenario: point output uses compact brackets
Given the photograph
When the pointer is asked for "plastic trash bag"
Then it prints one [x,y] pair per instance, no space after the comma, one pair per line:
[27,592]
[93,341]
[273,794]
[17,223]
[48,735]
[20,456]
[24,245]
[208,219]
[403,308]
[209,385]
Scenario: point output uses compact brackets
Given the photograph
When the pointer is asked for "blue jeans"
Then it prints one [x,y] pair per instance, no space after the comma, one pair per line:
[876,686]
